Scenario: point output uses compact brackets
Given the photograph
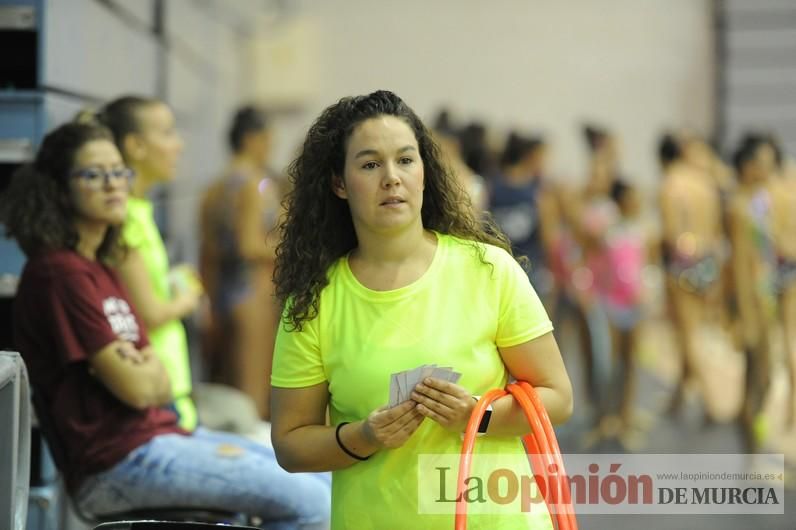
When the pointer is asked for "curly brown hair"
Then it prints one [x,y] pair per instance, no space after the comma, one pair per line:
[37,208]
[317,228]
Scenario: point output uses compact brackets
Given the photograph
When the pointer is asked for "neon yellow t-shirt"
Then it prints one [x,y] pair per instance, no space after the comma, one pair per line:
[169,340]
[456,314]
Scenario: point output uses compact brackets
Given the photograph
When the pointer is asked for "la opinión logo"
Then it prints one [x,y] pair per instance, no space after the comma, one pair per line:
[505,486]
[688,484]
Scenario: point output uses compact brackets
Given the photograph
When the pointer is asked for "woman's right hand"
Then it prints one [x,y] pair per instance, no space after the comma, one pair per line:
[392,427]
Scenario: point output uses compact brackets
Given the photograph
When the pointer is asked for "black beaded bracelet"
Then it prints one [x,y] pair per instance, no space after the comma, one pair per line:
[344,448]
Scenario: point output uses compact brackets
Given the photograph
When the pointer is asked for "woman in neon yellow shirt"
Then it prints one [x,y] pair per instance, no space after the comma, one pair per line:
[145,132]
[384,267]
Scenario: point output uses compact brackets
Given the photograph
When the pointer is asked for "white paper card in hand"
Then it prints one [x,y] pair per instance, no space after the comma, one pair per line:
[397,376]
[441,373]
[426,371]
[393,390]
[402,384]
[413,378]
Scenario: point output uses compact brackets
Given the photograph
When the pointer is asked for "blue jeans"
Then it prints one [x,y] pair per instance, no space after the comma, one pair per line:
[210,470]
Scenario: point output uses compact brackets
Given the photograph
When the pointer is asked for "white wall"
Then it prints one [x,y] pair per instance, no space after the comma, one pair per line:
[204,86]
[95,51]
[760,71]
[89,49]
[637,66]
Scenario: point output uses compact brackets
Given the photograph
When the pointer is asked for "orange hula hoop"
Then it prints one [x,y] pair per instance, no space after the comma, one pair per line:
[541,446]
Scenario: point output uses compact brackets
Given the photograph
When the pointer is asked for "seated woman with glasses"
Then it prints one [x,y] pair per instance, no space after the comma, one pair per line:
[96,375]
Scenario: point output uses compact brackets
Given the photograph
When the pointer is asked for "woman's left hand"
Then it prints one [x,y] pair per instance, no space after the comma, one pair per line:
[446,403]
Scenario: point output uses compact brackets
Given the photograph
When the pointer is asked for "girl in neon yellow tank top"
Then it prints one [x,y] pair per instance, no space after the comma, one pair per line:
[145,133]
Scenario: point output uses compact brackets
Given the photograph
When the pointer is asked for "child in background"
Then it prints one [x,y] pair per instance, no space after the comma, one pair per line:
[623,298]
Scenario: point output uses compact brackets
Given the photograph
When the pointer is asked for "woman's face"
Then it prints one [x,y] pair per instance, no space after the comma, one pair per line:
[608,150]
[761,166]
[767,159]
[536,161]
[157,146]
[99,183]
[258,144]
[383,177]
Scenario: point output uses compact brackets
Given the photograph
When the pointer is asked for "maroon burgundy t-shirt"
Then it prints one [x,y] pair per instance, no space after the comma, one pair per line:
[68,308]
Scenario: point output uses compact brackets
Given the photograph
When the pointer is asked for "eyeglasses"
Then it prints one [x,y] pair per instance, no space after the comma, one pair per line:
[96,178]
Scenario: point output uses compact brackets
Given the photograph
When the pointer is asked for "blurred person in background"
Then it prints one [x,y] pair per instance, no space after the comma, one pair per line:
[692,241]
[623,302]
[476,152]
[524,208]
[701,157]
[449,141]
[145,132]
[782,191]
[754,253]
[96,376]
[603,160]
[238,214]
[590,213]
